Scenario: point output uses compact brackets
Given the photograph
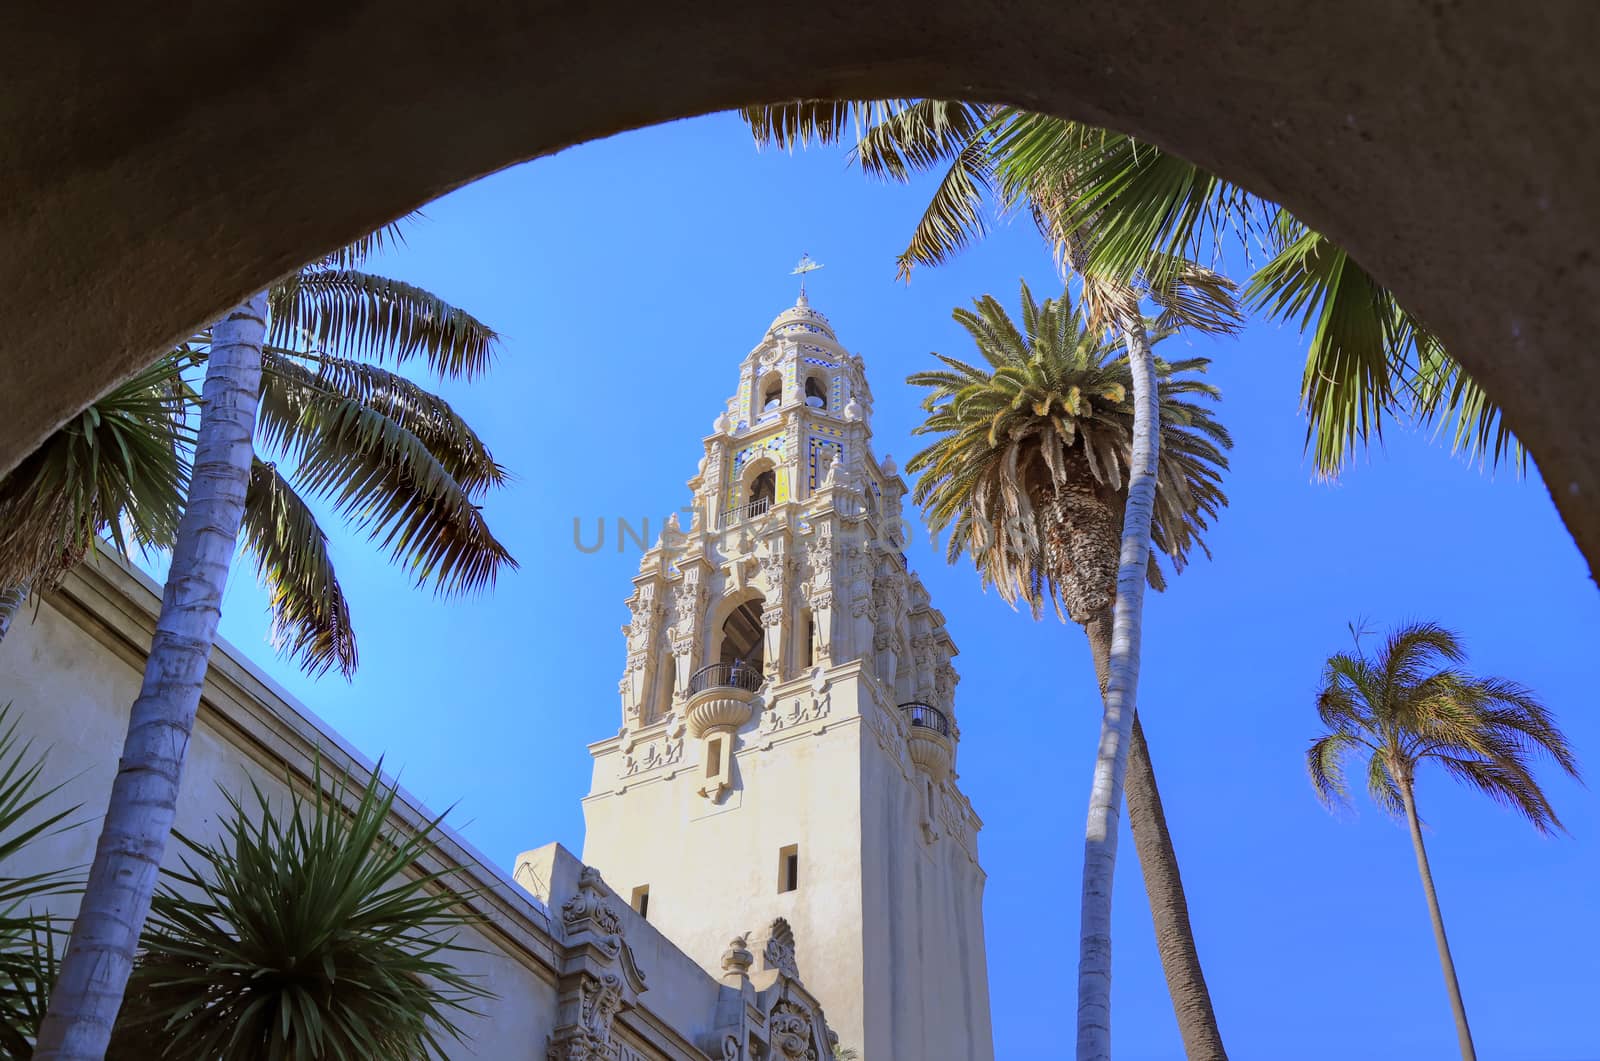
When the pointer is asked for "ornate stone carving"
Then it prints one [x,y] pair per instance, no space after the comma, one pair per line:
[779,953]
[790,1028]
[664,750]
[587,910]
[810,706]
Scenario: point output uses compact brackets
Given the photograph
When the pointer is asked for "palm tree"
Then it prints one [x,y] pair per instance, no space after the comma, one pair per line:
[305,933]
[1030,470]
[392,459]
[912,136]
[1368,358]
[1414,703]
[119,464]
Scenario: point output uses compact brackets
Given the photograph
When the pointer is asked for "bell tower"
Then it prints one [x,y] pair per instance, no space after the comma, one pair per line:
[788,733]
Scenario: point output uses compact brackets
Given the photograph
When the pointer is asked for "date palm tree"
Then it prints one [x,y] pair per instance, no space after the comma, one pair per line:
[910,136]
[305,932]
[1029,469]
[1415,703]
[392,460]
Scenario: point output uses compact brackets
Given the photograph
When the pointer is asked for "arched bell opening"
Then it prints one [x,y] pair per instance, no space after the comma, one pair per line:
[740,637]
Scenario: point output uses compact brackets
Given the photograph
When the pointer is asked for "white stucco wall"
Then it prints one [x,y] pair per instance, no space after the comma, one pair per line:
[888,924]
[72,672]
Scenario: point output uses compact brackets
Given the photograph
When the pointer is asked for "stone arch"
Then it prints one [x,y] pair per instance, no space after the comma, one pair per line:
[736,631]
[1376,122]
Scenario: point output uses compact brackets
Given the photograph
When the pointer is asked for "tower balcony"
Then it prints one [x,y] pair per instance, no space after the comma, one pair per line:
[732,517]
[720,696]
[929,741]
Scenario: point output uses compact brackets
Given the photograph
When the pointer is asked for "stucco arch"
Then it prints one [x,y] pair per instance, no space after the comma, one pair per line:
[156,170]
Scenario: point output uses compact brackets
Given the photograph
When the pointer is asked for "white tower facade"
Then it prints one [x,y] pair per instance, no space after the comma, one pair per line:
[789,734]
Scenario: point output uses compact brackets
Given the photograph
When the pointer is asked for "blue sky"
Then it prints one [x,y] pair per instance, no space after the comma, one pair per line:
[630,276]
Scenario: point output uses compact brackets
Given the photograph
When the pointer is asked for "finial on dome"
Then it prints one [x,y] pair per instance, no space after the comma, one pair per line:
[807,265]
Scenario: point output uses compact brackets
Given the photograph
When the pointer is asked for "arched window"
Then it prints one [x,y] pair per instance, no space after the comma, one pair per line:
[771,394]
[762,490]
[742,636]
[816,397]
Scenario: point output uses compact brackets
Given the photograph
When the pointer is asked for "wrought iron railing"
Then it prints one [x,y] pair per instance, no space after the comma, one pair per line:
[928,716]
[735,675]
[728,517]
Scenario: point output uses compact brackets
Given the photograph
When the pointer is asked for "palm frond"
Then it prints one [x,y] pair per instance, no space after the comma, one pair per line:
[119,467]
[357,315]
[310,616]
[796,123]
[402,496]
[355,254]
[953,219]
[302,401]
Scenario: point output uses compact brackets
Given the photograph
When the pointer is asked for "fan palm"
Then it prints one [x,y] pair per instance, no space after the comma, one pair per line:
[392,459]
[305,933]
[1029,470]
[907,136]
[1415,703]
[1368,359]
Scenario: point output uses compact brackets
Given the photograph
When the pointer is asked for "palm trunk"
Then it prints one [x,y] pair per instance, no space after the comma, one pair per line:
[1163,883]
[12,598]
[1111,762]
[94,971]
[1457,1007]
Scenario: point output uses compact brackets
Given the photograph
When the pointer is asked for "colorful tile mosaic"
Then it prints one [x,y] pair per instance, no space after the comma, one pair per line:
[771,446]
[820,456]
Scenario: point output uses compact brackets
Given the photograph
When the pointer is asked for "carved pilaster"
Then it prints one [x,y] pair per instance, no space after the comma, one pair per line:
[599,977]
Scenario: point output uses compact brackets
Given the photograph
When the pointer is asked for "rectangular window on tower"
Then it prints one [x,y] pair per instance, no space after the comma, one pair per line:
[641,901]
[789,868]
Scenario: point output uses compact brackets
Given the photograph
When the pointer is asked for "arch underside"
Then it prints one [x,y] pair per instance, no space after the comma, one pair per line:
[1451,150]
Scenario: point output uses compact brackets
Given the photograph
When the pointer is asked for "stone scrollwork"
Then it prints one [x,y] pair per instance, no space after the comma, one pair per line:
[779,952]
[598,983]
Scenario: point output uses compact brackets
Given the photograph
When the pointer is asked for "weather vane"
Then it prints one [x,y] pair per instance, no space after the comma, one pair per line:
[807,265]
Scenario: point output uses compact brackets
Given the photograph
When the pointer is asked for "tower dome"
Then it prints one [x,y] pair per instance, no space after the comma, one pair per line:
[800,317]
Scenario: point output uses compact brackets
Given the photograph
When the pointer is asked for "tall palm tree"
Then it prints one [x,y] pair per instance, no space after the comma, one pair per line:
[391,458]
[905,137]
[1415,703]
[1368,358]
[1030,470]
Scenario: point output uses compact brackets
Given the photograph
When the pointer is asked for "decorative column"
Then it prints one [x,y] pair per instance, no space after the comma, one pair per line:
[641,634]
[776,564]
[599,977]
[689,598]
[818,591]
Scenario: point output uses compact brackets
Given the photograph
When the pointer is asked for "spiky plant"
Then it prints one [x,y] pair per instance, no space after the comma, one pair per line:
[28,930]
[307,931]
[1415,703]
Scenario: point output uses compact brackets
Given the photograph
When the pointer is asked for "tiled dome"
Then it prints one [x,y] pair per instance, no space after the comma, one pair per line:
[801,318]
